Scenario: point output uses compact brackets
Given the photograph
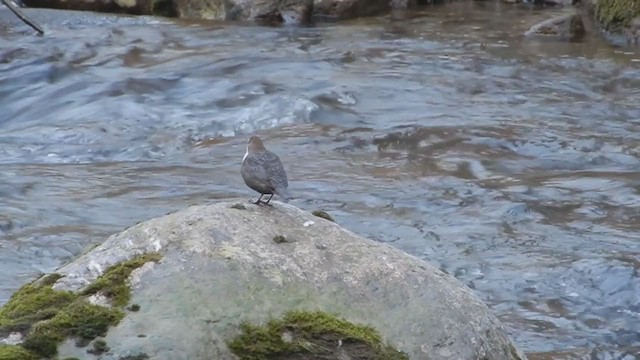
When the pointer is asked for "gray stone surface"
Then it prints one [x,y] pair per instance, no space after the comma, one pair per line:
[568,26]
[272,11]
[221,266]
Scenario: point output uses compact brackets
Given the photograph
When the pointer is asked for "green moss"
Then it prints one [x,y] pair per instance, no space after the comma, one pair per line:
[48,280]
[13,352]
[616,14]
[134,307]
[49,316]
[279,239]
[323,214]
[32,303]
[81,320]
[301,335]
[113,283]
[99,347]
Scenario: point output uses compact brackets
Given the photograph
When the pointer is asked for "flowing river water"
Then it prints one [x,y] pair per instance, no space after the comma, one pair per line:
[511,163]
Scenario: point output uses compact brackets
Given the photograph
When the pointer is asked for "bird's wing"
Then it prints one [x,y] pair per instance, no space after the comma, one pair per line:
[276,171]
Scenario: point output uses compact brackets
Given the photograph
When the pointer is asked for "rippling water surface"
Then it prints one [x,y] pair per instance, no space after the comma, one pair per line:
[511,163]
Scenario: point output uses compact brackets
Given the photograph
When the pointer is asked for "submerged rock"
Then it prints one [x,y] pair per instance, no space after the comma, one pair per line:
[215,280]
[565,27]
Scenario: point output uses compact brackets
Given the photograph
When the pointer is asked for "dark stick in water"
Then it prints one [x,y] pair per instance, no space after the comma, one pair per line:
[23,17]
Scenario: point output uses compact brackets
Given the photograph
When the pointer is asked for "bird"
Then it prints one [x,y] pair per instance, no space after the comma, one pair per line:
[263,172]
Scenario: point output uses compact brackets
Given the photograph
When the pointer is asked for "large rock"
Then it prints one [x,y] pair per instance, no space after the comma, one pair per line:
[228,263]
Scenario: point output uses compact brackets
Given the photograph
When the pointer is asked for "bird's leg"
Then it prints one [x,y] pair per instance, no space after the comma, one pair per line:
[257,201]
[269,199]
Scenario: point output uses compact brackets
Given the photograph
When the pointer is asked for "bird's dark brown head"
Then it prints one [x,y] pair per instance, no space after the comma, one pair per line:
[255,144]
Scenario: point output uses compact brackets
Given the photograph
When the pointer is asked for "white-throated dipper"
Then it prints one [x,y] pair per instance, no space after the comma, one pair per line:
[263,172]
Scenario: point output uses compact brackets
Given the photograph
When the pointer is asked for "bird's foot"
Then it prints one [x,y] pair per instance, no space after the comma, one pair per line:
[260,202]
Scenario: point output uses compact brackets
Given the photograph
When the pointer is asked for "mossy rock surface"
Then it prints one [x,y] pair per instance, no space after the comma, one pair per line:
[13,352]
[614,15]
[311,335]
[113,283]
[32,303]
[47,317]
[80,320]
[222,275]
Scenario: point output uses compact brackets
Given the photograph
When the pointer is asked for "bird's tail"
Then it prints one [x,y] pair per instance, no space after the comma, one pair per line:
[284,194]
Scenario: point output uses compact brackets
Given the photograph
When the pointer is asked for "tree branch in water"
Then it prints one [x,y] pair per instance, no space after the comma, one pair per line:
[23,17]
